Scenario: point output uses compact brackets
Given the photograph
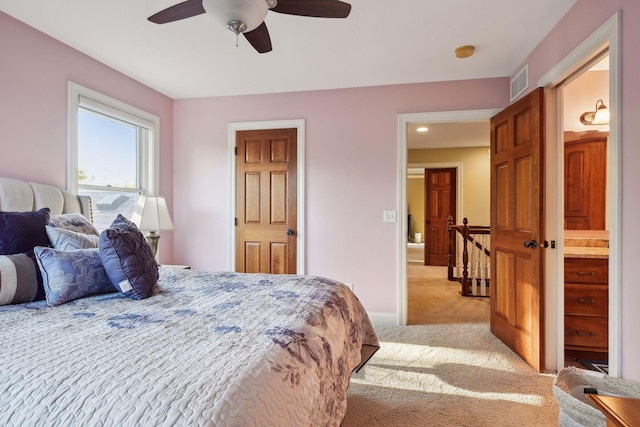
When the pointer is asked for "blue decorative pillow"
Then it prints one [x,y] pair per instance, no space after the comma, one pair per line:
[61,238]
[128,259]
[69,275]
[74,222]
[22,231]
[19,279]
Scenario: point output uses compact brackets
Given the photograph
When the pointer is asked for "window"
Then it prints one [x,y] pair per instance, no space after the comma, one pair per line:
[113,153]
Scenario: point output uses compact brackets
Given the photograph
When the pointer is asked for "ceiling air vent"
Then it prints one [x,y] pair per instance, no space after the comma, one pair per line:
[520,83]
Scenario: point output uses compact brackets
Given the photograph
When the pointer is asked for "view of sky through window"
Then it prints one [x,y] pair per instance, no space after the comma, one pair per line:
[107,151]
[107,158]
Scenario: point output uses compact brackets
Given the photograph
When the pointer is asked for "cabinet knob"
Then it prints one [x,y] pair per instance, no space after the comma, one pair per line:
[585,333]
[587,300]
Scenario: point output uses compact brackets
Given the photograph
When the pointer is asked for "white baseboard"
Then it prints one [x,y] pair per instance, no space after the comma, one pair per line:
[384,319]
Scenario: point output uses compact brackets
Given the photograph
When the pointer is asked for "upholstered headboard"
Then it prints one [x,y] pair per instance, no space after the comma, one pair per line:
[20,196]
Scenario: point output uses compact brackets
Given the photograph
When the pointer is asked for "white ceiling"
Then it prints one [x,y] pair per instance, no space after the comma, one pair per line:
[380,43]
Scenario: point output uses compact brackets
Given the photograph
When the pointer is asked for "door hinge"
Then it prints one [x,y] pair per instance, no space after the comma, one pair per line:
[236,221]
[236,150]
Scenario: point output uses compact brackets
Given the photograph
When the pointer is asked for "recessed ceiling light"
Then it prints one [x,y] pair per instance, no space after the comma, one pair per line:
[422,129]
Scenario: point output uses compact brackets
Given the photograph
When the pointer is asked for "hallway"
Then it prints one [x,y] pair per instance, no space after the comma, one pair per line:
[432,299]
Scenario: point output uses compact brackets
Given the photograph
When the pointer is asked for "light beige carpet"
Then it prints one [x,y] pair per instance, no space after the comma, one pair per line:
[448,375]
[433,299]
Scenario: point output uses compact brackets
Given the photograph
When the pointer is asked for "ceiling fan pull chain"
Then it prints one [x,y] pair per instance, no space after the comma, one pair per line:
[236,39]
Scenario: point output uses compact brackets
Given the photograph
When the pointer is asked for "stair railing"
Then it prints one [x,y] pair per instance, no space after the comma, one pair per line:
[469,257]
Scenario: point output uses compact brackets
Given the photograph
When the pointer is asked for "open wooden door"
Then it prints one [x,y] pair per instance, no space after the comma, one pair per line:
[440,202]
[266,201]
[517,226]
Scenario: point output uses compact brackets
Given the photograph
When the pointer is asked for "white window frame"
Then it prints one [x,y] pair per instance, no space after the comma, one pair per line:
[149,153]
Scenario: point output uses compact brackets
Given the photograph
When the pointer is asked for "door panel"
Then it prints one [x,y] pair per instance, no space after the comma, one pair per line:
[266,201]
[523,194]
[517,299]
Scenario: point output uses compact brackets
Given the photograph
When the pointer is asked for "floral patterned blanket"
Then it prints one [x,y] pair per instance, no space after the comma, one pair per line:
[216,349]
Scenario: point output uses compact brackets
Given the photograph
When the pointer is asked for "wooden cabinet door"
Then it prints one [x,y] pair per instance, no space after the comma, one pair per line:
[266,206]
[585,180]
[517,294]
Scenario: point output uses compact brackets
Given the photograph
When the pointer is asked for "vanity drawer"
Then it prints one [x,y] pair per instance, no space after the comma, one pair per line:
[586,331]
[586,270]
[586,299]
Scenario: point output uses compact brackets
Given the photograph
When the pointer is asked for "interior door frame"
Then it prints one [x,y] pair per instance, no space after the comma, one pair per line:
[299,125]
[455,116]
[608,34]
[444,165]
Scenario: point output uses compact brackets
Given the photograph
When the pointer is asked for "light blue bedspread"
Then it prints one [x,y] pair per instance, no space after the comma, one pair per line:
[217,349]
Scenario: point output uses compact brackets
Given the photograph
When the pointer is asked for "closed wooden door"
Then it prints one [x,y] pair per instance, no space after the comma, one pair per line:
[440,202]
[517,297]
[266,192]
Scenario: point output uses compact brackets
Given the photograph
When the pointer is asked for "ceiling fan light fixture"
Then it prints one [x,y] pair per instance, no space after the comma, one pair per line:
[271,3]
[238,15]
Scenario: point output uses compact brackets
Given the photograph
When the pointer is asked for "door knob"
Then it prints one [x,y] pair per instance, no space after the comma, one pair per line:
[531,244]
[291,232]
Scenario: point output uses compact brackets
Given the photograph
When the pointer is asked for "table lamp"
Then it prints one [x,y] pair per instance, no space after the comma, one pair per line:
[151,214]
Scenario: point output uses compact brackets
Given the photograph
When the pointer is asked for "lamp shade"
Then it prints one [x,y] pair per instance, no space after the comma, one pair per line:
[151,214]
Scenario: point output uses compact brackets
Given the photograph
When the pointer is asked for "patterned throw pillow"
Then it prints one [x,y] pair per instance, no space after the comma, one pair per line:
[22,231]
[61,238]
[19,279]
[69,275]
[128,259]
[73,222]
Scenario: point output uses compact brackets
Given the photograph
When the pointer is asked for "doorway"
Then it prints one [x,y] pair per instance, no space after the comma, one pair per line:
[585,220]
[266,210]
[607,37]
[431,161]
[299,126]
[432,196]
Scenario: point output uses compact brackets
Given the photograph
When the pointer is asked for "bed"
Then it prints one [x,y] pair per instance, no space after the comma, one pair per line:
[204,348]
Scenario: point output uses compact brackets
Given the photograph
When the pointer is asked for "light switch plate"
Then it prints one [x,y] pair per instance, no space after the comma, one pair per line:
[389,216]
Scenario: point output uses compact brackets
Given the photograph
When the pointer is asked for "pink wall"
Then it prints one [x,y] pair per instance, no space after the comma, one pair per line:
[581,21]
[34,72]
[351,174]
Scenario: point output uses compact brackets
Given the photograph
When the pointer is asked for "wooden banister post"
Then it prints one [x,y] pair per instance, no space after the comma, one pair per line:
[465,258]
[452,248]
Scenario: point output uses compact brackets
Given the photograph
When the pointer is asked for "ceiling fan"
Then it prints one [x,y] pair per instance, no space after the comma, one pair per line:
[247,16]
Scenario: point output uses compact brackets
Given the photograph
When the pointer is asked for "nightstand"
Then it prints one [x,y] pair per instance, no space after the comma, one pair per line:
[620,411]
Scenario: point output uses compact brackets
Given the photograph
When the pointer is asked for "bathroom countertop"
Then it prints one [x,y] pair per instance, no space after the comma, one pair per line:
[586,244]
[586,252]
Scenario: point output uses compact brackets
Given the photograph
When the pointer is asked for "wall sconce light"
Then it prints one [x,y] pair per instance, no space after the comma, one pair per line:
[598,117]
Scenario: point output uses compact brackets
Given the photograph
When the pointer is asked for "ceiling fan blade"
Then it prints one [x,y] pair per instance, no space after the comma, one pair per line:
[259,38]
[315,8]
[179,11]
